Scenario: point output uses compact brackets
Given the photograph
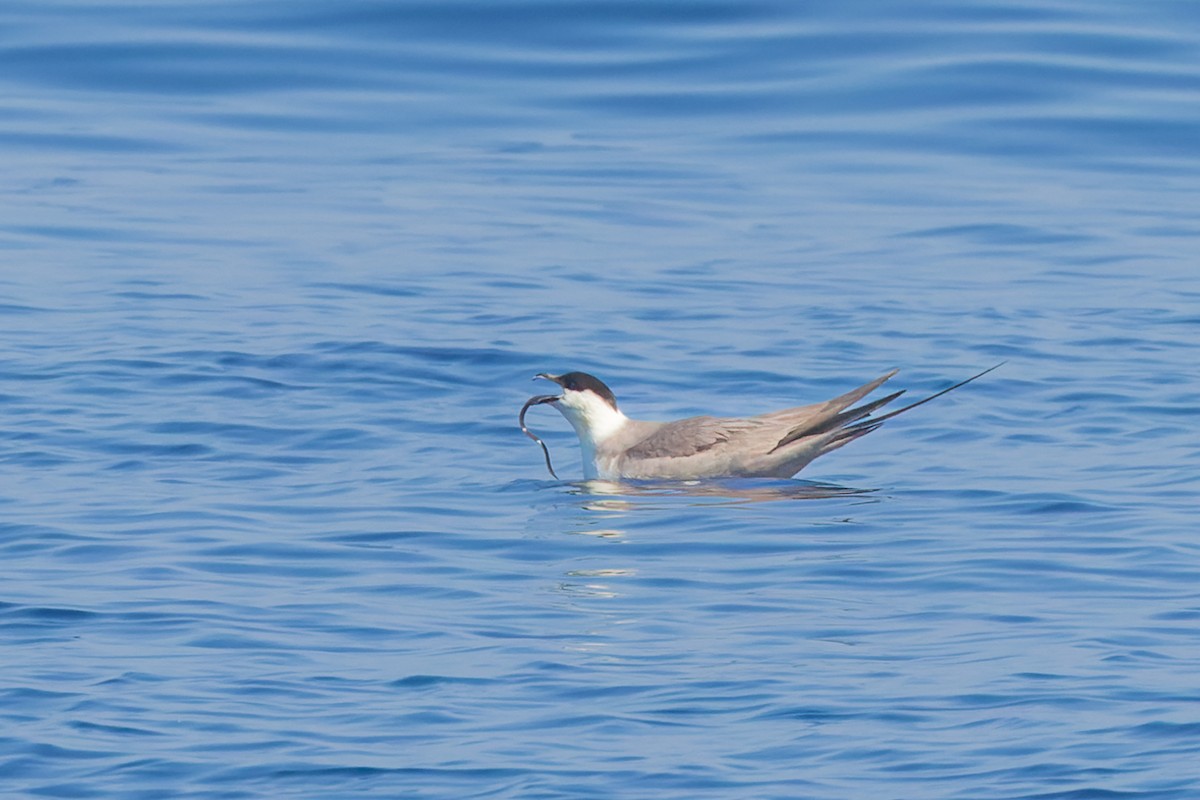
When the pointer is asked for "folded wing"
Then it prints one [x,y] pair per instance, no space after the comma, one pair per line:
[688,437]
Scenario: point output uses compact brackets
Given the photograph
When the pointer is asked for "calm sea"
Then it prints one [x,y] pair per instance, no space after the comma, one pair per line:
[275,276]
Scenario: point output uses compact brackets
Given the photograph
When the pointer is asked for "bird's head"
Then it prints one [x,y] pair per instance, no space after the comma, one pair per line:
[587,403]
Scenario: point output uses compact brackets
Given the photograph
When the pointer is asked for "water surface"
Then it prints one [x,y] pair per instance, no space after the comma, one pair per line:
[274,278]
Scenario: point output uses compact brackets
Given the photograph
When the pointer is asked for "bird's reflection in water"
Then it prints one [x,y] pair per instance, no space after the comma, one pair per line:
[606,505]
[617,496]
[593,583]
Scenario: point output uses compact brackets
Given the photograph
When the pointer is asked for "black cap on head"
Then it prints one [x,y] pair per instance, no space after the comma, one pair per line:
[583,382]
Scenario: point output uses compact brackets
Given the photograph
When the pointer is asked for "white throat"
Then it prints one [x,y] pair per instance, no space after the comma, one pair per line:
[594,421]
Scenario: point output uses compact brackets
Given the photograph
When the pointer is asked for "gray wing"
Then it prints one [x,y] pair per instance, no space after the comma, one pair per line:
[687,437]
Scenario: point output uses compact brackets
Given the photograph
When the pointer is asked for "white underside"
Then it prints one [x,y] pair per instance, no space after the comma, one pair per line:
[595,422]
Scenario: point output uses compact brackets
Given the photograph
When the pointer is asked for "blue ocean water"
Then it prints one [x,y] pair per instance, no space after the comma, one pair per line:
[274,278]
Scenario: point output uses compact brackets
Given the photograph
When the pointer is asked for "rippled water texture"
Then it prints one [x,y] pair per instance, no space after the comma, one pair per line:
[274,278]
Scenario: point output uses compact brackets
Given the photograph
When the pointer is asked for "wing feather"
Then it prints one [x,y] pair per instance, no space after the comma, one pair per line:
[687,437]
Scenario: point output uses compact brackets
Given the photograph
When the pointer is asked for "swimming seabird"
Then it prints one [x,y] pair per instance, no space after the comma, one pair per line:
[777,444]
